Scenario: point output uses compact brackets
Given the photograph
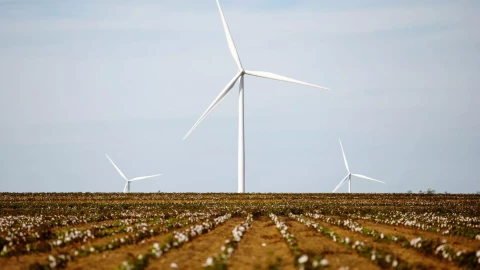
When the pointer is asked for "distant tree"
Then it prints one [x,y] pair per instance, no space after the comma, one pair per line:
[421,192]
[446,192]
[478,192]
[409,192]
[430,191]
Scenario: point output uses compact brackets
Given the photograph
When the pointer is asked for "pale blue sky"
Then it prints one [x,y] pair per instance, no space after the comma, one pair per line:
[79,79]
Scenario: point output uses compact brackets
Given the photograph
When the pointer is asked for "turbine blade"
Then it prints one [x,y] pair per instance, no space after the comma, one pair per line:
[273,76]
[120,172]
[344,158]
[341,183]
[215,102]
[144,177]
[231,44]
[125,188]
[366,177]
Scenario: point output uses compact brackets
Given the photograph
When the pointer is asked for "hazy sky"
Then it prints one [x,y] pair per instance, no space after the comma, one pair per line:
[79,79]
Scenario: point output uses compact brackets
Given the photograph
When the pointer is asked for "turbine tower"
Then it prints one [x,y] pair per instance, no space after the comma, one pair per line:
[127,184]
[239,76]
[349,175]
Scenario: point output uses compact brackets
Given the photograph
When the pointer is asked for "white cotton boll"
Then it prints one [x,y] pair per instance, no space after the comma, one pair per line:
[92,249]
[230,250]
[439,248]
[373,257]
[52,261]
[347,240]
[324,262]
[126,265]
[156,246]
[394,264]
[173,265]
[478,253]
[303,259]
[209,261]
[223,248]
[263,244]
[415,242]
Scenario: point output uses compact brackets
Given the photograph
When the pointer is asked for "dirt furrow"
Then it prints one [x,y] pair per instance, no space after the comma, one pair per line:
[337,255]
[193,254]
[262,248]
[411,256]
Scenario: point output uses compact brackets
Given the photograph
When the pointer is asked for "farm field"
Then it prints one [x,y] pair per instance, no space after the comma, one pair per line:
[239,231]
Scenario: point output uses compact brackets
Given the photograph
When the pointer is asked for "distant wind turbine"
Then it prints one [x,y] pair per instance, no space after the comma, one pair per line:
[349,175]
[240,76]
[127,184]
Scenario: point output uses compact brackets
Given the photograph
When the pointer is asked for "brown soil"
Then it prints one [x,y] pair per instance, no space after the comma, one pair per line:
[337,255]
[193,254]
[458,242]
[250,254]
[412,256]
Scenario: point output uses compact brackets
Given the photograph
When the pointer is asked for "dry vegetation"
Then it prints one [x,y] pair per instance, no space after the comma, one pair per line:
[239,231]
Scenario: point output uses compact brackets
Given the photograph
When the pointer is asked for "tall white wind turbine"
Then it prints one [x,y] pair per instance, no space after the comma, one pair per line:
[127,184]
[239,76]
[349,175]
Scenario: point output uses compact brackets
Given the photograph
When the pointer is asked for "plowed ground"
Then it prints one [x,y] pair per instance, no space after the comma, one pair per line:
[261,247]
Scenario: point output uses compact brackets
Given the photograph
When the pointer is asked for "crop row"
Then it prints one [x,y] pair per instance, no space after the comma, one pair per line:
[379,257]
[220,261]
[429,247]
[454,224]
[18,242]
[303,259]
[175,240]
[62,259]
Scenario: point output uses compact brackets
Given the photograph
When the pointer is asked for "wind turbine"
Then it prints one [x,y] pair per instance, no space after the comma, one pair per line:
[240,76]
[127,184]
[349,175]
